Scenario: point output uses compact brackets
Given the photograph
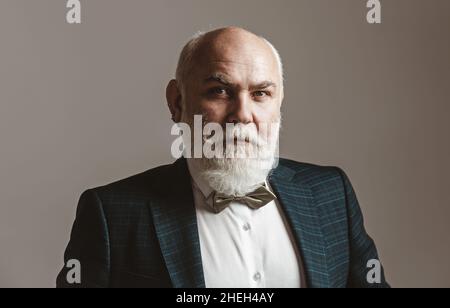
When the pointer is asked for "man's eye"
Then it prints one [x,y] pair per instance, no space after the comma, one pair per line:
[218,91]
[260,94]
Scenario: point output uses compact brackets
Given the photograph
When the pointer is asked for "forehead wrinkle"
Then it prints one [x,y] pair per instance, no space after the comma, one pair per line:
[240,63]
[209,52]
[221,71]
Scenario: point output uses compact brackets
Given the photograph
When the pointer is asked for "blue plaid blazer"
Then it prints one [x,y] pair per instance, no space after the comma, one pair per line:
[142,231]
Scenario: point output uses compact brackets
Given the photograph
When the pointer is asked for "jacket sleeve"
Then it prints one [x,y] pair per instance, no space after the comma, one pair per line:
[362,247]
[88,245]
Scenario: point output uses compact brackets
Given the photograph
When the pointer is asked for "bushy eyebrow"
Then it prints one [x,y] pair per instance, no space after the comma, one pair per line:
[223,79]
[264,85]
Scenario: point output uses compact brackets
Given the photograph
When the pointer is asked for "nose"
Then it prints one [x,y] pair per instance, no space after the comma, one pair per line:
[241,110]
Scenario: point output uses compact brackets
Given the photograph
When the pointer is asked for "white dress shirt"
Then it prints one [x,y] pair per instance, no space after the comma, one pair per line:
[242,247]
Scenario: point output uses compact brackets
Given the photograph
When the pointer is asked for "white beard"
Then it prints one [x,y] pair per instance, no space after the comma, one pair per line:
[240,176]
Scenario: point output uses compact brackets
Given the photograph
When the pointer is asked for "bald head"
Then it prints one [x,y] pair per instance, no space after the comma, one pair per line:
[230,44]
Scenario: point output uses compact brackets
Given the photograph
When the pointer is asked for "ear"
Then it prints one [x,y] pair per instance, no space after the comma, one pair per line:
[174,98]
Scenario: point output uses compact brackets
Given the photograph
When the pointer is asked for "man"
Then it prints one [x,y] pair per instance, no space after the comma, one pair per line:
[225,221]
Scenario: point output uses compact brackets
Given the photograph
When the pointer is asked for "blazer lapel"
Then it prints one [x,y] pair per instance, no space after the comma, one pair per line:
[175,223]
[297,200]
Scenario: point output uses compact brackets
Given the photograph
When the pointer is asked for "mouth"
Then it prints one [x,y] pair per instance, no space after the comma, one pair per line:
[239,141]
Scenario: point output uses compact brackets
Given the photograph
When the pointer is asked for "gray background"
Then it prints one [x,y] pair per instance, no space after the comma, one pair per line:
[83,105]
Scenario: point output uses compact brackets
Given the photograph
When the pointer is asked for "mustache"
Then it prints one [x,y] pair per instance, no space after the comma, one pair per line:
[241,134]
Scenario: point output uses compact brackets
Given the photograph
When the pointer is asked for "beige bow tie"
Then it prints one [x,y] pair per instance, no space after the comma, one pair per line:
[255,200]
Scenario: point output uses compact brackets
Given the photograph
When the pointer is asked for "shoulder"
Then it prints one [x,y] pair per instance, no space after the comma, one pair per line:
[312,174]
[325,183]
[131,194]
[327,186]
